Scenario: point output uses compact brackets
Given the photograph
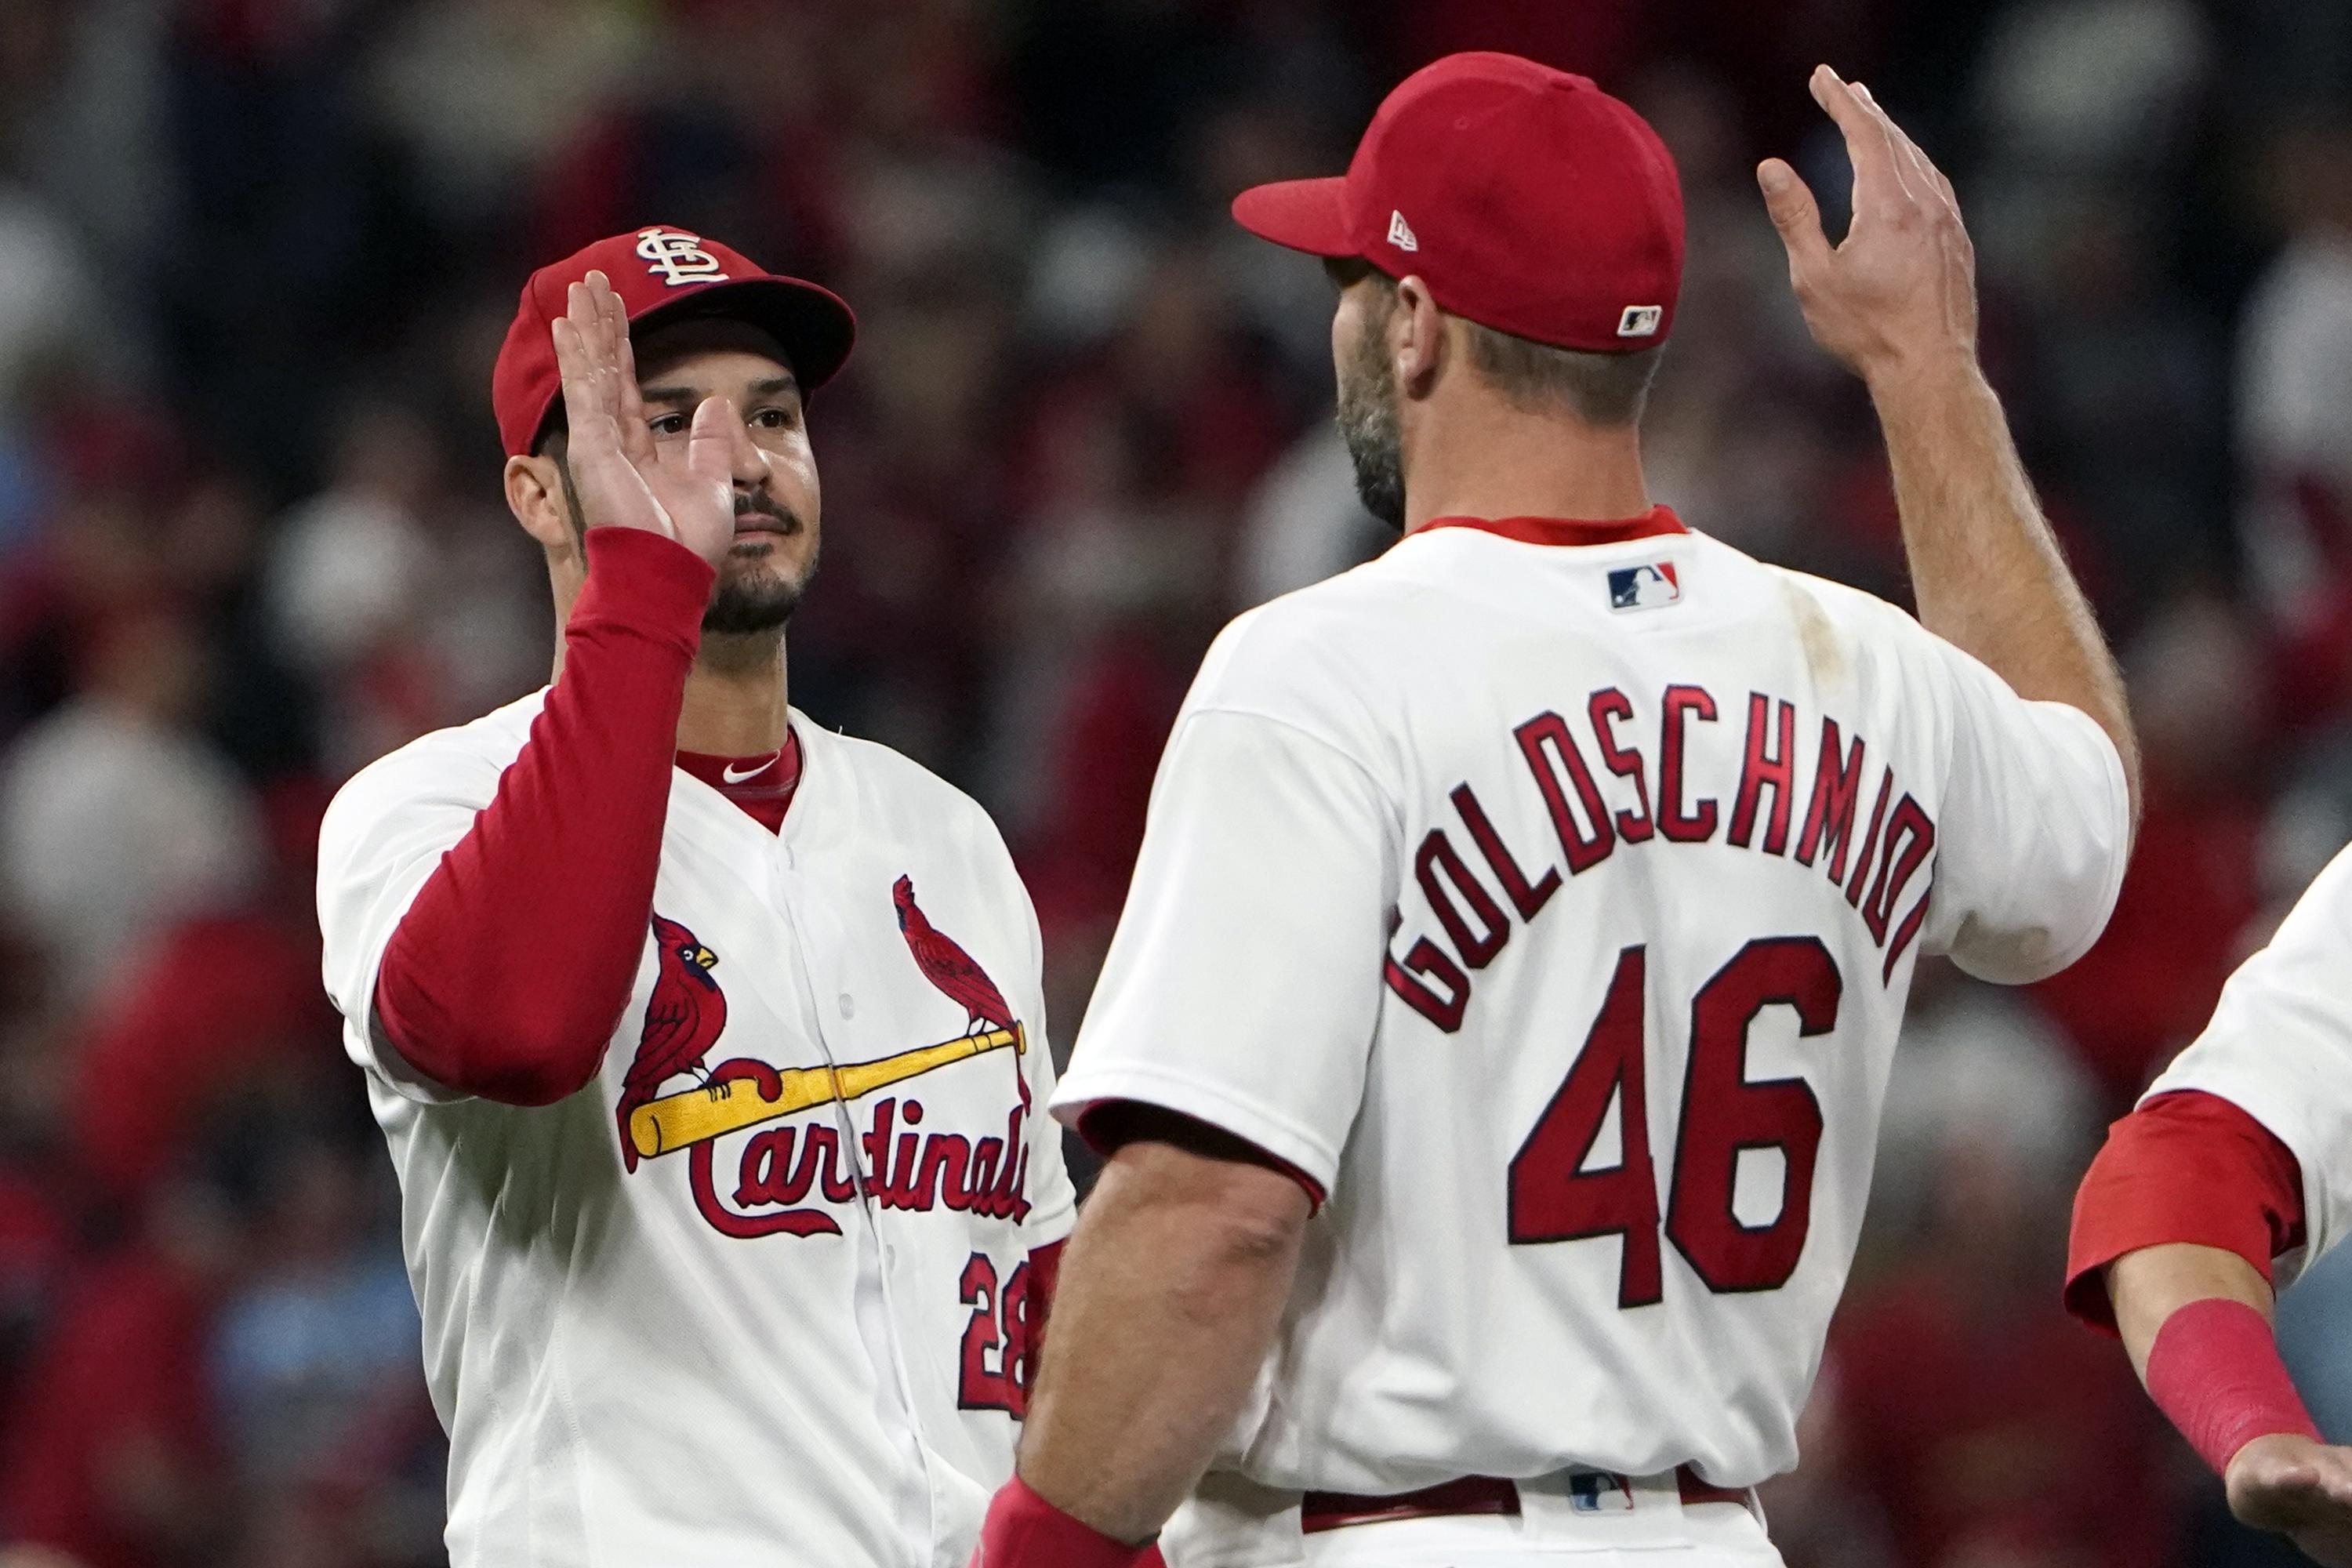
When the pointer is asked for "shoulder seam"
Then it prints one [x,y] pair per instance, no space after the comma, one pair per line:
[1295,727]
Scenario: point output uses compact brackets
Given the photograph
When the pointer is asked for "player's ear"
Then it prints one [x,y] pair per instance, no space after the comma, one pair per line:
[535,494]
[1416,330]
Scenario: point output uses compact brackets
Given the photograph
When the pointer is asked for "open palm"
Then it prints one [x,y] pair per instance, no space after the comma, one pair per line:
[623,478]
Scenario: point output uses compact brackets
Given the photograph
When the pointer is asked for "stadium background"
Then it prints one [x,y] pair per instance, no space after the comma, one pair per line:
[256,257]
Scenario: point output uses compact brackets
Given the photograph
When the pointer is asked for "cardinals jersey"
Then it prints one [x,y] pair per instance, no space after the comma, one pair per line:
[2279,1048]
[1546,894]
[757,1294]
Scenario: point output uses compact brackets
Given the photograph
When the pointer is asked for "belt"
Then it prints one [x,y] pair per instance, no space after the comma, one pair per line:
[1471,1494]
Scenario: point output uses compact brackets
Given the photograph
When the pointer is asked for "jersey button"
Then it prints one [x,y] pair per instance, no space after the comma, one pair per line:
[848,1005]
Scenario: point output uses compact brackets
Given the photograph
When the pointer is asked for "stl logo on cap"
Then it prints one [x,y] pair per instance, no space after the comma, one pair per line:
[678,257]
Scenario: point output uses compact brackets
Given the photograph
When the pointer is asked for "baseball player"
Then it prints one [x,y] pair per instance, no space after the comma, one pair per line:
[2232,1175]
[1490,1053]
[709,1044]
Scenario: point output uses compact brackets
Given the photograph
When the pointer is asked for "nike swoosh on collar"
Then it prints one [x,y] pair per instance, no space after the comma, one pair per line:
[731,776]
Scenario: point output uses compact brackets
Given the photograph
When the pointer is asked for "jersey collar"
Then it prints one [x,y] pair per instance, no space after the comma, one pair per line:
[1658,519]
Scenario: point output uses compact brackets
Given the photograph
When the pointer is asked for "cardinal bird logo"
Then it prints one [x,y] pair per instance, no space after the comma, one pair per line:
[683,1020]
[949,966]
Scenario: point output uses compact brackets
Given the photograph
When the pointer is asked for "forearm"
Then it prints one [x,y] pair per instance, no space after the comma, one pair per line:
[508,974]
[1174,1284]
[2197,1322]
[2150,1285]
[1986,569]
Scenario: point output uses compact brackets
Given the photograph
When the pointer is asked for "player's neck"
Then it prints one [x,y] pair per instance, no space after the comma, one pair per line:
[1484,459]
[735,704]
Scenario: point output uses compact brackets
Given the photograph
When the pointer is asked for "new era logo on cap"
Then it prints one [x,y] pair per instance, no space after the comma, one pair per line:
[1401,232]
[1652,585]
[1640,321]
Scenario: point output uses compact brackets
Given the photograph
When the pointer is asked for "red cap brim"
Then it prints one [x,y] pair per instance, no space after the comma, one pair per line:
[812,325]
[1304,215]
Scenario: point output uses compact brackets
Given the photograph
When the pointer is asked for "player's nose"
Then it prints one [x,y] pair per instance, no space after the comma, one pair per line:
[747,463]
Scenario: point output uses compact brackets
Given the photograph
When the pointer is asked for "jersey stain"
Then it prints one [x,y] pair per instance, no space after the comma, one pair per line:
[1815,635]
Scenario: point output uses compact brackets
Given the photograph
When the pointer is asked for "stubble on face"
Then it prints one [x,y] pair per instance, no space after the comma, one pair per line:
[1371,425]
[752,596]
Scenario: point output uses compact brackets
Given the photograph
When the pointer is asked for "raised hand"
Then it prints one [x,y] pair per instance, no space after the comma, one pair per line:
[1899,292]
[621,476]
[2301,1489]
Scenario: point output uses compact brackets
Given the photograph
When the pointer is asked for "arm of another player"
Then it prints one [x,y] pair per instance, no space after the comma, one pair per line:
[1175,1281]
[1222,1065]
[1895,302]
[2239,1160]
[2175,1228]
[2197,1322]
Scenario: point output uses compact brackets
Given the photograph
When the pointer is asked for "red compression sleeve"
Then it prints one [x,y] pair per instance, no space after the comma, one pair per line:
[1044,1276]
[2185,1167]
[507,976]
[2214,1369]
[1024,1530]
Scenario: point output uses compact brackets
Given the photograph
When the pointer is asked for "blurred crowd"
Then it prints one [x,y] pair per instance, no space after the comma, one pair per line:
[256,257]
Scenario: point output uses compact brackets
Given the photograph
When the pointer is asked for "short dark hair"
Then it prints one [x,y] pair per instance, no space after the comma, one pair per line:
[1606,389]
[554,431]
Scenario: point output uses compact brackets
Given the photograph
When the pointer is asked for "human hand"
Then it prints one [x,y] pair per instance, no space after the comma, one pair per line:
[2302,1489]
[623,478]
[1898,293]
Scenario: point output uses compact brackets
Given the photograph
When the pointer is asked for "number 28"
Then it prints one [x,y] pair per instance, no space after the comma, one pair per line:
[1553,1198]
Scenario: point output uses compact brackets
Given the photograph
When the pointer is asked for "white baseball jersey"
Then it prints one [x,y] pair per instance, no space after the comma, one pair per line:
[783,1328]
[2279,1048]
[1552,906]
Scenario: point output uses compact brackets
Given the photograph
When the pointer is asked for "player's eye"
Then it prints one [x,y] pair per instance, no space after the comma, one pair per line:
[773,418]
[667,424]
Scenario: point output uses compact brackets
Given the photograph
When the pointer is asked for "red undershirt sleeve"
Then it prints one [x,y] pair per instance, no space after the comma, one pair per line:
[1045,1277]
[2184,1167]
[508,974]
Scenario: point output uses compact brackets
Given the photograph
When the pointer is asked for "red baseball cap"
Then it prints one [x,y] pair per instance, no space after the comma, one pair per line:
[1528,199]
[663,274]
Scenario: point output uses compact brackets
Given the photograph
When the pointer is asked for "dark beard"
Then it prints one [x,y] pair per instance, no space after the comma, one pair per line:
[753,603]
[1369,426]
[756,601]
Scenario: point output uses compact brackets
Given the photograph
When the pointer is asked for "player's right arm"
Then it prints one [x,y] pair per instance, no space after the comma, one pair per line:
[1895,302]
[520,926]
[2238,1163]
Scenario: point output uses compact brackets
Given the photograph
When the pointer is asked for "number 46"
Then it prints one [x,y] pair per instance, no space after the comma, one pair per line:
[1553,1198]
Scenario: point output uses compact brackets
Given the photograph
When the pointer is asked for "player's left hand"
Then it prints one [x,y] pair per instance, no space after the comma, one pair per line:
[623,479]
[2298,1489]
[1898,293]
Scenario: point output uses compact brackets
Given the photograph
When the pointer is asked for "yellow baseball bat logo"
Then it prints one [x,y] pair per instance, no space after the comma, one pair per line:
[676,1121]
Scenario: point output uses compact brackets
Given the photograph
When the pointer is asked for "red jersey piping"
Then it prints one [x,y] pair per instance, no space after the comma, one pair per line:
[1658,519]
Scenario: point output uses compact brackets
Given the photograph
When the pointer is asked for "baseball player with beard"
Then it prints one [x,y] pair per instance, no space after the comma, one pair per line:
[708,1043]
[1490,1055]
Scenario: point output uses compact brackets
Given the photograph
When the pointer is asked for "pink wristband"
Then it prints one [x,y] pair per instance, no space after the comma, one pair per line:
[2215,1371]
[1024,1530]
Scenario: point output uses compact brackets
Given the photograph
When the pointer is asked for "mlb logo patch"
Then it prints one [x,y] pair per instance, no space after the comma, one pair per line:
[1600,1491]
[1640,321]
[1649,586]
